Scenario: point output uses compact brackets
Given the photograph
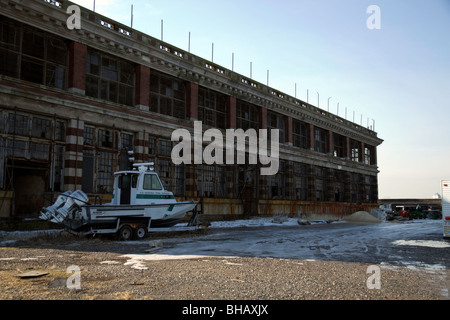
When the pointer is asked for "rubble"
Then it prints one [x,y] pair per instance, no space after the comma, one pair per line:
[362,216]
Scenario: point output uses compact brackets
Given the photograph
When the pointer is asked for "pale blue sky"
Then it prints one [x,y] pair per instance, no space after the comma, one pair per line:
[398,77]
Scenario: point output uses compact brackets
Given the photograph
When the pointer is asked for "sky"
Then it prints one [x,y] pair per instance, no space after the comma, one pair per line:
[394,78]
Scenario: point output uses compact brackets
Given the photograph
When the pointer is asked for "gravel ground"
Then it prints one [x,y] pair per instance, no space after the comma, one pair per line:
[107,274]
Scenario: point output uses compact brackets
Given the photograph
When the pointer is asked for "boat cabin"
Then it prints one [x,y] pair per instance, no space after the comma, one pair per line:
[140,186]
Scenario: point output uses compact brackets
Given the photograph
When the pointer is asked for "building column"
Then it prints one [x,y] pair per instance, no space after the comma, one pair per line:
[289,128]
[231,112]
[362,154]
[330,142]
[347,148]
[192,101]
[262,118]
[375,157]
[191,181]
[77,68]
[142,99]
[311,137]
[139,147]
[73,168]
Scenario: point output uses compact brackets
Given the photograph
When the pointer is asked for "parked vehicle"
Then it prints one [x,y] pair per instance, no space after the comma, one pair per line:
[139,202]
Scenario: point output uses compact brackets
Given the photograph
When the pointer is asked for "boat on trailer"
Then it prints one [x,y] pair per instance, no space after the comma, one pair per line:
[139,204]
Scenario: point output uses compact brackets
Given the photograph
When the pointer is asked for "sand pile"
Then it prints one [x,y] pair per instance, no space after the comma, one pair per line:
[361,216]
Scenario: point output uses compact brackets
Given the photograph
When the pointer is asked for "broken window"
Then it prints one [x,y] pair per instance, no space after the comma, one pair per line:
[32,55]
[164,147]
[276,121]
[179,180]
[221,182]
[40,151]
[354,150]
[105,171]
[246,116]
[17,148]
[206,181]
[60,131]
[106,138]
[126,141]
[58,168]
[369,155]
[109,78]
[212,108]
[354,187]
[339,145]
[300,180]
[165,172]
[151,145]
[167,95]
[88,135]
[18,124]
[277,183]
[300,134]
[41,128]
[320,140]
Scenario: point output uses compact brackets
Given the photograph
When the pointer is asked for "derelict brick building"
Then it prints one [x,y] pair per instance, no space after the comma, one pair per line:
[73,102]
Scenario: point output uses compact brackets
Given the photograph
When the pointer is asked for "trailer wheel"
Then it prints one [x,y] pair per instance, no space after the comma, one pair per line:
[140,232]
[125,233]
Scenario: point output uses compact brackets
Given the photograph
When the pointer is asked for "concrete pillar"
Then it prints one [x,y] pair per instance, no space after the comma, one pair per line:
[77,68]
[73,162]
[142,99]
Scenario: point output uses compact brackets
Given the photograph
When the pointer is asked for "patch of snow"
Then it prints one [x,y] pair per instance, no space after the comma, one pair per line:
[422,243]
[109,262]
[137,260]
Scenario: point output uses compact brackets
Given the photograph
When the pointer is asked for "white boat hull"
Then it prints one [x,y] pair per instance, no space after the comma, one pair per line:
[139,201]
[161,215]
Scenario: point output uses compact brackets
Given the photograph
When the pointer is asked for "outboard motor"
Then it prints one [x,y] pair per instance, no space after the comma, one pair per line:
[73,202]
[47,213]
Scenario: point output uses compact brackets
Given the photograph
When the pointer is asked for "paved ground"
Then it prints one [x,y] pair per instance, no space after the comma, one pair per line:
[416,243]
[257,261]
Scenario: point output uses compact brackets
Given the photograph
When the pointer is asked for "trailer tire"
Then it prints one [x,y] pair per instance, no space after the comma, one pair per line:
[140,232]
[125,233]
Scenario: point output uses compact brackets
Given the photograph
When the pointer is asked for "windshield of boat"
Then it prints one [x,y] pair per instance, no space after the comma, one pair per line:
[151,182]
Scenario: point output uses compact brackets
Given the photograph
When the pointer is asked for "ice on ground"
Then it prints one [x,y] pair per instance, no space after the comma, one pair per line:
[423,243]
[137,261]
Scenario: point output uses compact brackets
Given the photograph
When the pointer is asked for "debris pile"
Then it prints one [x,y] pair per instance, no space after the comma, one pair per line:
[361,216]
